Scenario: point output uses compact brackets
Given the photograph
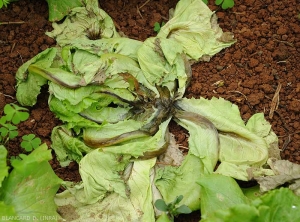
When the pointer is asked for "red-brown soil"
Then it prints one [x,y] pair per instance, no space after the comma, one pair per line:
[248,73]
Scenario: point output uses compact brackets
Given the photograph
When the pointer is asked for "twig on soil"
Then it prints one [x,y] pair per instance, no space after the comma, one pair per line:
[258,52]
[20,57]
[281,61]
[166,164]
[12,23]
[12,47]
[286,143]
[183,147]
[144,4]
[139,12]
[297,132]
[7,95]
[243,96]
[285,42]
[3,42]
[165,18]
[283,122]
[238,13]
[275,101]
[58,169]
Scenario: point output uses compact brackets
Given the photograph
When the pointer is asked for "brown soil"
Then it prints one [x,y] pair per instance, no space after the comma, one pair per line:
[265,56]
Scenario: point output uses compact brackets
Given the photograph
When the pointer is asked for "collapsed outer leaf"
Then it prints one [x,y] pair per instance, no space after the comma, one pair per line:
[29,84]
[194,27]
[67,147]
[240,148]
[174,181]
[84,22]
[284,172]
[134,205]
[203,140]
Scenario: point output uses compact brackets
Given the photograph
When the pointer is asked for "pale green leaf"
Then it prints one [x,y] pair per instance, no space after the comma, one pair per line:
[31,185]
[116,207]
[81,22]
[3,166]
[219,192]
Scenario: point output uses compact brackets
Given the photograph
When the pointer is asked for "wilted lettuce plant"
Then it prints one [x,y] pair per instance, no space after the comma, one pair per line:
[117,96]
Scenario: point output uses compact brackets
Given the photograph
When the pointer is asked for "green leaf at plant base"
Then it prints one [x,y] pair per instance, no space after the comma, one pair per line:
[30,187]
[30,142]
[15,114]
[238,213]
[275,206]
[219,192]
[3,166]
[163,218]
[225,3]
[278,205]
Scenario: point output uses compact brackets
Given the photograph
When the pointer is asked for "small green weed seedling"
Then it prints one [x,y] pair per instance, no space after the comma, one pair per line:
[171,210]
[7,131]
[30,142]
[13,115]
[158,26]
[225,4]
